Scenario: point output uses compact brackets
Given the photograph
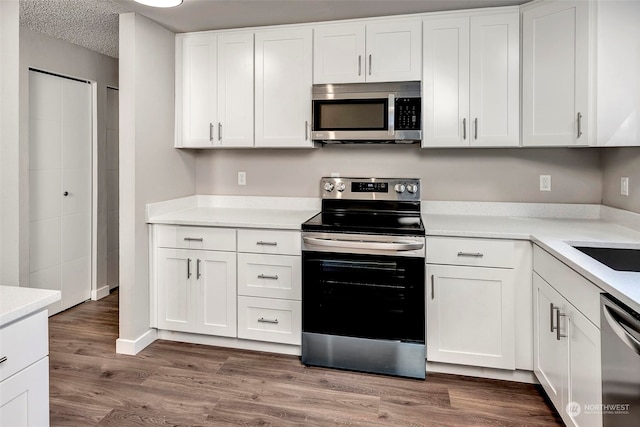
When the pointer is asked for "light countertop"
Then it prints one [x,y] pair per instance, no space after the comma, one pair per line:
[17,302]
[556,236]
[236,217]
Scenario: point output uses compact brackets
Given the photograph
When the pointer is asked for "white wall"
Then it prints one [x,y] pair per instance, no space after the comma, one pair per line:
[57,56]
[151,170]
[9,143]
[616,163]
[503,175]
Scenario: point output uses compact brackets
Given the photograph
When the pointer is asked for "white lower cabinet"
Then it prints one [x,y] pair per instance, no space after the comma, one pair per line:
[566,351]
[197,291]
[24,372]
[470,316]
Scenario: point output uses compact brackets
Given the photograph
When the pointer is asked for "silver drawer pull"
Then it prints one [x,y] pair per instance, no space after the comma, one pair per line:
[260,242]
[3,359]
[263,320]
[194,239]
[266,276]
[473,254]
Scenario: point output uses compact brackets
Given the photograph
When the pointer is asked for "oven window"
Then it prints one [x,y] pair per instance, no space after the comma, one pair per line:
[361,114]
[365,296]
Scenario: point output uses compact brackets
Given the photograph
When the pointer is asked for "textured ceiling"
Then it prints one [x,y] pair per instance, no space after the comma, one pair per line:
[94,23]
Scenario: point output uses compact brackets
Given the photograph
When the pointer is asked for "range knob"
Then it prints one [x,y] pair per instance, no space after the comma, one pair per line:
[399,188]
[328,187]
[412,188]
[340,186]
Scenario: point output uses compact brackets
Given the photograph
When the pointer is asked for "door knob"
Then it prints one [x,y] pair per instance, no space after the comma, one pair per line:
[65,194]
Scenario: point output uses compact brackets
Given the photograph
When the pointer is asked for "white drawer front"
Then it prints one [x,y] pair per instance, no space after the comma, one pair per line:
[472,252]
[278,242]
[273,320]
[23,343]
[207,238]
[270,276]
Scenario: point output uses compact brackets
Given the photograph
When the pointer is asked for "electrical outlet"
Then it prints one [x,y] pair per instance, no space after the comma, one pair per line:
[545,182]
[624,186]
[242,178]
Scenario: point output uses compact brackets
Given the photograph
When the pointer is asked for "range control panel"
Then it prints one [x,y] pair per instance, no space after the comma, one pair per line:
[405,189]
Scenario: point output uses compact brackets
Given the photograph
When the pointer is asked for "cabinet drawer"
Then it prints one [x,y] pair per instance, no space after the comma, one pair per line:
[273,320]
[208,238]
[270,276]
[23,343]
[473,252]
[580,292]
[279,242]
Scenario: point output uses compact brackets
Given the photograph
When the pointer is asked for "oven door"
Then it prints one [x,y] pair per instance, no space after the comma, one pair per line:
[376,297]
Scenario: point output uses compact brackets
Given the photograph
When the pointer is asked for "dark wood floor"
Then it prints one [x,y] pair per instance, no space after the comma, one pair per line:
[180,384]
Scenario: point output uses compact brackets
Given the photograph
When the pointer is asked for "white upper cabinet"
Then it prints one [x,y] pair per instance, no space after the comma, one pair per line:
[214,91]
[555,74]
[235,90]
[371,52]
[471,80]
[196,113]
[283,79]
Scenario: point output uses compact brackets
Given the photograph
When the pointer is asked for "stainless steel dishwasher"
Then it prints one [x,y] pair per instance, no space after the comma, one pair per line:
[620,344]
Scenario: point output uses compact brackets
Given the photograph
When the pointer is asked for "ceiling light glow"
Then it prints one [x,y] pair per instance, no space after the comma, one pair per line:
[160,3]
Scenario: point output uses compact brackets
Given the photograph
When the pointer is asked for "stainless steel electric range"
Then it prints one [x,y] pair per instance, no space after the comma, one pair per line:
[363,270]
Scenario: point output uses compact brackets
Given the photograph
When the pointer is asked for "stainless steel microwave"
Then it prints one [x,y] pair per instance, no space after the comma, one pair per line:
[367,112]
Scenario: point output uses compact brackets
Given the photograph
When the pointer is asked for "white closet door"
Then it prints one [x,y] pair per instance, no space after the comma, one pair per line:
[60,186]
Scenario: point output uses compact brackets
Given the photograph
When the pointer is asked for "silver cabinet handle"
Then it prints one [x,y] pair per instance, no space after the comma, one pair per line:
[211,132]
[475,128]
[198,269]
[261,243]
[579,125]
[194,239]
[306,130]
[558,316]
[220,131]
[263,320]
[359,65]
[267,276]
[3,359]
[471,254]
[464,128]
[551,327]
[433,287]
[369,64]
[188,268]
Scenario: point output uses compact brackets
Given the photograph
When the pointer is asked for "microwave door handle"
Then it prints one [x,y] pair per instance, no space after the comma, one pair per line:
[392,112]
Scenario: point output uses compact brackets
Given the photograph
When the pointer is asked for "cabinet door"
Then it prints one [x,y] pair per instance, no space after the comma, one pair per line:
[195,127]
[24,397]
[495,80]
[445,82]
[555,74]
[394,51]
[215,274]
[175,272]
[470,316]
[549,353]
[235,91]
[584,385]
[283,88]
[338,54]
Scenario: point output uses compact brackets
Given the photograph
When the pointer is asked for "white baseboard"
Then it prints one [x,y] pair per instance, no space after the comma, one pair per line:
[100,293]
[133,347]
[474,371]
[268,347]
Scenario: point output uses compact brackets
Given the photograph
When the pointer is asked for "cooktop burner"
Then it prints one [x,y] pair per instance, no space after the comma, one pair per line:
[368,205]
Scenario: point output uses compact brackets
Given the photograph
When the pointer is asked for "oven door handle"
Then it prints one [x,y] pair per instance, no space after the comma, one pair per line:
[363,244]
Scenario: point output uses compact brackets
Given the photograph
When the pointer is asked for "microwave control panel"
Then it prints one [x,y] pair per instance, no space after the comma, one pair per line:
[407,114]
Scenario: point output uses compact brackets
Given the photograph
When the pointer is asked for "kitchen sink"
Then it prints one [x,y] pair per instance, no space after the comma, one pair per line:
[620,259]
